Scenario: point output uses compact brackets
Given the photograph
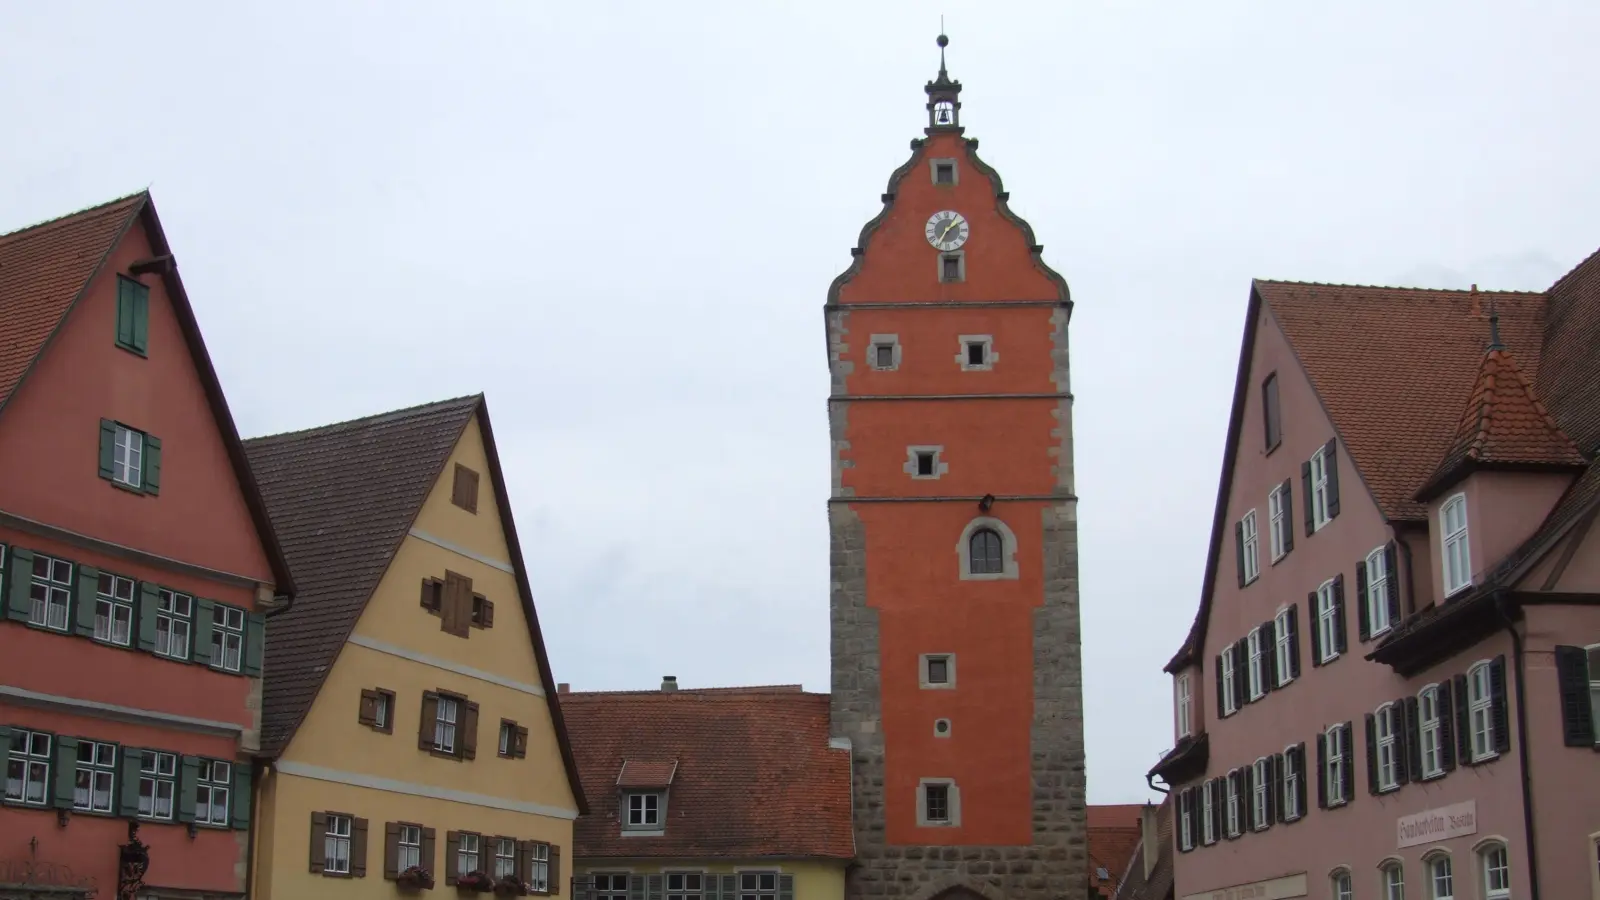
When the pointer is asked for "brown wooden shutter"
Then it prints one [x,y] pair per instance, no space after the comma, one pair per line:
[469,729]
[520,743]
[1222,709]
[488,613]
[1413,733]
[319,841]
[464,492]
[452,851]
[457,611]
[1391,565]
[358,848]
[520,871]
[555,869]
[427,850]
[430,715]
[1241,658]
[432,588]
[1267,635]
[369,708]
[1305,481]
[1447,727]
[391,850]
[1349,732]
[1294,642]
[1372,754]
[1463,700]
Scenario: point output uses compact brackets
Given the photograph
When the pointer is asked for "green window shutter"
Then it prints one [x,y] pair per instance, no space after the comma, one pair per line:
[656,888]
[148,600]
[108,448]
[636,887]
[188,779]
[5,742]
[241,796]
[88,587]
[785,887]
[66,771]
[708,889]
[133,314]
[150,479]
[124,312]
[141,318]
[255,639]
[203,611]
[19,599]
[730,885]
[128,782]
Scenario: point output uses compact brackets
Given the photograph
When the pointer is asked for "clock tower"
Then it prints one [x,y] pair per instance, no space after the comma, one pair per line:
[953,518]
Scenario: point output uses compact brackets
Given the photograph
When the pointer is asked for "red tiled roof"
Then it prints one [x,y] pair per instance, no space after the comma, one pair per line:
[1114,833]
[1158,885]
[755,775]
[640,773]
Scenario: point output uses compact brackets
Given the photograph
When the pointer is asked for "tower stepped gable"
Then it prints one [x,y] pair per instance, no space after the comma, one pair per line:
[953,520]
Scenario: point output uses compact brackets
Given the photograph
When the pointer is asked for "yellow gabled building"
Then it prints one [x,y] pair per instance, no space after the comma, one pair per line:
[410,721]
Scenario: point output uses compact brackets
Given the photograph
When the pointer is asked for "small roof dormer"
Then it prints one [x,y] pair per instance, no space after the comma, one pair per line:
[944,99]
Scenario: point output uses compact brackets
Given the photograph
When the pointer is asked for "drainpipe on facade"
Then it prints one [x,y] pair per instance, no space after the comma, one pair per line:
[288,601]
[1522,744]
[1151,780]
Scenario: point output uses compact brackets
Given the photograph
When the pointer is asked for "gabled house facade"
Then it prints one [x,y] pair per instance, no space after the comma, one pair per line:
[414,734]
[1388,688]
[714,794]
[137,571]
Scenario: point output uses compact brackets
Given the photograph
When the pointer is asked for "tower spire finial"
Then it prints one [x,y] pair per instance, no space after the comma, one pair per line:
[944,104]
[943,42]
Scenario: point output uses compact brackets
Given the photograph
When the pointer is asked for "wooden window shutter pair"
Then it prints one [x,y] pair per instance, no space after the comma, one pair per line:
[464,491]
[519,742]
[456,605]
[430,714]
[319,845]
[467,729]
[391,848]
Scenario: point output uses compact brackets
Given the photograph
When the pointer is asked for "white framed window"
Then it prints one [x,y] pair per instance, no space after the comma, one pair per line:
[1186,820]
[410,844]
[50,593]
[1208,821]
[336,845]
[158,784]
[1441,877]
[215,782]
[28,767]
[1392,881]
[467,852]
[1231,810]
[1430,728]
[1278,522]
[174,623]
[127,465]
[758,886]
[113,610]
[505,857]
[1282,648]
[1496,865]
[96,776]
[1249,546]
[227,637]
[1336,750]
[1388,747]
[539,867]
[444,724]
[610,885]
[1290,801]
[644,810]
[937,805]
[1342,888]
[1319,489]
[1327,621]
[1456,556]
[1185,726]
[1260,788]
[1256,679]
[1480,711]
[1228,694]
[1378,599]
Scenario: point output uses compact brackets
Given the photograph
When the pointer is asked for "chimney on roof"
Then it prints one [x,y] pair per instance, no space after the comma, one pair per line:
[1475,311]
[563,688]
[669,682]
[1148,839]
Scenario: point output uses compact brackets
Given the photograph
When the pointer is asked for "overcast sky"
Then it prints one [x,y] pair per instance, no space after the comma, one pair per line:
[619,220]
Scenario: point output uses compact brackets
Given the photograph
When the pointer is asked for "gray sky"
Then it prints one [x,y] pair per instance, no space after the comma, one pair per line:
[619,220]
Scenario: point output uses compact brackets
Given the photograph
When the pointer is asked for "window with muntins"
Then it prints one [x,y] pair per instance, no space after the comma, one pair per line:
[1480,711]
[409,847]
[1291,784]
[227,637]
[467,852]
[1250,565]
[1342,888]
[1441,878]
[51,592]
[610,885]
[1592,657]
[1496,872]
[174,623]
[1430,731]
[505,857]
[1257,677]
[985,548]
[1388,748]
[213,783]
[1231,811]
[1327,622]
[95,777]
[1319,500]
[1208,815]
[539,867]
[644,810]
[1277,521]
[1228,692]
[28,767]
[336,845]
[1186,820]
[1457,558]
[1184,726]
[1282,646]
[1261,791]
[158,784]
[1378,599]
[1393,881]
[128,458]
[444,725]
[936,803]
[113,610]
[758,886]
[1337,758]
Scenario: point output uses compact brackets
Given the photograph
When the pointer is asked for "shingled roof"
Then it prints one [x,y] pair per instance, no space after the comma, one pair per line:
[1158,885]
[344,496]
[1114,832]
[754,778]
[46,268]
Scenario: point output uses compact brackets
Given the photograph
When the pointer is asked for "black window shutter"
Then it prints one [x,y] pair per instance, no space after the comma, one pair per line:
[1322,771]
[1238,550]
[1274,788]
[1315,621]
[1218,796]
[1269,655]
[1247,796]
[1294,641]
[1372,755]
[1222,710]
[1305,482]
[1391,566]
[1447,727]
[1239,692]
[1572,676]
[1286,496]
[1349,762]
[1340,629]
[1330,463]
[1300,783]
[1363,594]
[1497,704]
[1413,740]
[1463,722]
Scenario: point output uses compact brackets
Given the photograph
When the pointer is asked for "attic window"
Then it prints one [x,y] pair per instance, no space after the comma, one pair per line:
[642,810]
[944,171]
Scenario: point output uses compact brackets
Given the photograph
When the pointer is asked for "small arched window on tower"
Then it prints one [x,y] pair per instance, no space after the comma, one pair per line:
[987,550]
[984,549]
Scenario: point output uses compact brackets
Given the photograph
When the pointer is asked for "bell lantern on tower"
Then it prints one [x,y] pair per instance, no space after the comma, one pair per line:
[944,99]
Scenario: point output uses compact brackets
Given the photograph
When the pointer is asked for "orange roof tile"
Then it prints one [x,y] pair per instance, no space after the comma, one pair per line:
[1114,833]
[755,774]
[642,773]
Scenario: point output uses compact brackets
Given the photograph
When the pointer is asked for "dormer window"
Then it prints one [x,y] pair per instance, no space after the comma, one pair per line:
[642,810]
[1453,533]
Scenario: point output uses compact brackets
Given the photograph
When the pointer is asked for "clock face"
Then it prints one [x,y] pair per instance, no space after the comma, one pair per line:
[947,230]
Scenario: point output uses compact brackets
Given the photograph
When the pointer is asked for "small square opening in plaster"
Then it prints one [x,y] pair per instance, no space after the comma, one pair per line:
[925,463]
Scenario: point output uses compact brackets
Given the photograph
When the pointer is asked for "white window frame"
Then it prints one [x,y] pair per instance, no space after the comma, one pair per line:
[1392,880]
[410,847]
[1280,646]
[1319,490]
[1342,884]
[1256,671]
[113,610]
[617,882]
[174,624]
[1184,698]
[127,463]
[1488,865]
[1378,598]
[34,751]
[539,867]
[1333,771]
[505,858]
[469,847]
[1208,825]
[1228,675]
[1231,810]
[1260,789]
[214,785]
[1276,523]
[1186,822]
[336,838]
[1291,784]
[1327,622]
[158,785]
[95,781]
[50,593]
[1250,546]
[227,637]
[1384,722]
[1430,727]
[644,810]
[1439,875]
[446,712]
[1480,712]
[761,884]
[1455,553]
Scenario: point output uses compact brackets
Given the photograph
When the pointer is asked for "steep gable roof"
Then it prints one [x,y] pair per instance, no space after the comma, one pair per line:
[1114,832]
[1158,885]
[344,497]
[754,775]
[46,268]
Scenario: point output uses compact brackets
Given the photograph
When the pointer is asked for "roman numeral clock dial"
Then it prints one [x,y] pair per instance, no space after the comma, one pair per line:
[947,230]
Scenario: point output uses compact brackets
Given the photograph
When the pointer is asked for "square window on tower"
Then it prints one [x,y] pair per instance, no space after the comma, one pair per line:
[925,465]
[883,353]
[925,462]
[944,171]
[975,353]
[938,670]
[952,267]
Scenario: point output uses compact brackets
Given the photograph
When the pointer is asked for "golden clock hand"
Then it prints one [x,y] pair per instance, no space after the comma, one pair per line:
[947,228]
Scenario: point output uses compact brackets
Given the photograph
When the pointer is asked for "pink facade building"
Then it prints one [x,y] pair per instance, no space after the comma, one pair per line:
[1392,683]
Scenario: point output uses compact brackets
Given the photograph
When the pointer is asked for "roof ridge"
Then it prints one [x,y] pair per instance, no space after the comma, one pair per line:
[393,415]
[1572,271]
[785,690]
[1392,287]
[62,219]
